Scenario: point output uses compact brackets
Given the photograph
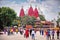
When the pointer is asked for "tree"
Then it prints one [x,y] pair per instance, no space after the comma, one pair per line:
[42,18]
[59,13]
[7,15]
[17,21]
[23,20]
[27,20]
[31,21]
[58,17]
[58,20]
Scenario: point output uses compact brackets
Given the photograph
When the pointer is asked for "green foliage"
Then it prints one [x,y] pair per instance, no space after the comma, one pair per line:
[24,20]
[31,21]
[42,18]
[16,21]
[7,15]
[59,13]
[27,20]
[58,19]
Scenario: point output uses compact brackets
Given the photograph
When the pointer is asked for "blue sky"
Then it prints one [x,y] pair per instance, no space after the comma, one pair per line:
[50,8]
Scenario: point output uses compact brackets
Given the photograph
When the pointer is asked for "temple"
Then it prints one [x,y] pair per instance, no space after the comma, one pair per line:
[35,13]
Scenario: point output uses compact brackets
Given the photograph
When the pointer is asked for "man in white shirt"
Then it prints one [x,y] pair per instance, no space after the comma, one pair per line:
[33,34]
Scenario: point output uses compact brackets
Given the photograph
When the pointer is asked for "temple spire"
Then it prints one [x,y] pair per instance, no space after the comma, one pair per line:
[22,12]
[30,11]
[36,12]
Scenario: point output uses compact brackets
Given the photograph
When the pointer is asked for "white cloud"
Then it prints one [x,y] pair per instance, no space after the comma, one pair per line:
[59,6]
[51,8]
[46,7]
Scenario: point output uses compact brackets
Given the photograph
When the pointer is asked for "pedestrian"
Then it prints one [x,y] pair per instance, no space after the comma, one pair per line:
[16,30]
[48,34]
[21,31]
[33,34]
[26,33]
[45,33]
[40,31]
[5,30]
[57,34]
[8,31]
[53,34]
[11,31]
[30,31]
[35,30]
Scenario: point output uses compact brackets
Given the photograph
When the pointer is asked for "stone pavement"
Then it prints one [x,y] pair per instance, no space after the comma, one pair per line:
[21,37]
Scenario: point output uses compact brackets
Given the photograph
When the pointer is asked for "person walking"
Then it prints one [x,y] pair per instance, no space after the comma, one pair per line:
[40,32]
[5,30]
[21,31]
[11,31]
[26,33]
[48,34]
[30,31]
[45,33]
[53,34]
[57,34]
[8,31]
[16,30]
[33,34]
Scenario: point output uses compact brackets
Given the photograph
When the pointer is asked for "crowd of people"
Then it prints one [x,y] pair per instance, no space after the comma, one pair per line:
[48,33]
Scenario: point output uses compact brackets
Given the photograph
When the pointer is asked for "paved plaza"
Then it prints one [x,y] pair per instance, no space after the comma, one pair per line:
[21,37]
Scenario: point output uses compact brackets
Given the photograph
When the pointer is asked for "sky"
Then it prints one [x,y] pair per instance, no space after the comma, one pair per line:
[49,8]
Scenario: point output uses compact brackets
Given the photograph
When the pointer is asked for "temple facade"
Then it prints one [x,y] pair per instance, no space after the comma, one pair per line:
[35,13]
